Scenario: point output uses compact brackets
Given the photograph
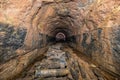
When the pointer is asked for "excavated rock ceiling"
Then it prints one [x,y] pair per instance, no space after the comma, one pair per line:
[91,27]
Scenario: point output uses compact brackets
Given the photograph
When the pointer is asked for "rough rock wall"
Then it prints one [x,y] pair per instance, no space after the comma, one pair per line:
[94,23]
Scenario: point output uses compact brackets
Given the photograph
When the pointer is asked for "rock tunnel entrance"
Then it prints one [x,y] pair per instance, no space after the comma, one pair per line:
[60,35]
[78,33]
[60,31]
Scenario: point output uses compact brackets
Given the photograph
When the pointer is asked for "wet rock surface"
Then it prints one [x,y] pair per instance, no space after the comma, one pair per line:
[10,40]
[116,46]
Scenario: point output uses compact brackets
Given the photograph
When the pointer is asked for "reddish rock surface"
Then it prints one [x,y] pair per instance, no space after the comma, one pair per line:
[27,26]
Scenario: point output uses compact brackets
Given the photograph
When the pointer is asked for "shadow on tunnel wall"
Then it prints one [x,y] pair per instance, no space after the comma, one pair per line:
[12,38]
[97,48]
[115,41]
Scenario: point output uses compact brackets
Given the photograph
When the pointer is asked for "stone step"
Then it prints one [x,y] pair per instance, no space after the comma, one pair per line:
[51,65]
[54,66]
[51,73]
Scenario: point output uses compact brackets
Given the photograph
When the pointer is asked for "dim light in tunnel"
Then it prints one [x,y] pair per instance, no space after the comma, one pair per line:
[60,36]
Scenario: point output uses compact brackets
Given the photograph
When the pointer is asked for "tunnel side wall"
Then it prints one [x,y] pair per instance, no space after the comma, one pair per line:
[94,23]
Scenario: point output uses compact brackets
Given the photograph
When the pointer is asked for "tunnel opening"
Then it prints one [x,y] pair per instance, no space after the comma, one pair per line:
[61,31]
[61,35]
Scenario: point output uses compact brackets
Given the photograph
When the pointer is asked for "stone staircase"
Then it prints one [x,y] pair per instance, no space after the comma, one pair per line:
[60,63]
[54,66]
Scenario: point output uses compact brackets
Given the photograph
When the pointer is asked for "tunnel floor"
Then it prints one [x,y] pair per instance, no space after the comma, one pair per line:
[62,63]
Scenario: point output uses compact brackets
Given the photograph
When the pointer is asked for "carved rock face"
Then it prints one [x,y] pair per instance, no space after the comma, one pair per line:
[91,26]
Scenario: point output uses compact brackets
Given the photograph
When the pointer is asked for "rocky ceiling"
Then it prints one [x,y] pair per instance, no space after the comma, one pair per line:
[90,26]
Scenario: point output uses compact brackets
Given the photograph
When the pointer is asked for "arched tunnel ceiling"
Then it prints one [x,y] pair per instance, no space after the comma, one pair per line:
[57,26]
[58,19]
[94,26]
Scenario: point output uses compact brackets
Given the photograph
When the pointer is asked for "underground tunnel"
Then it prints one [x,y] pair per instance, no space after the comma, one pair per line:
[59,40]
[60,33]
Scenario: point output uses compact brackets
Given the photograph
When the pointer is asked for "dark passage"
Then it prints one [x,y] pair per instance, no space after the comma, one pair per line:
[60,36]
